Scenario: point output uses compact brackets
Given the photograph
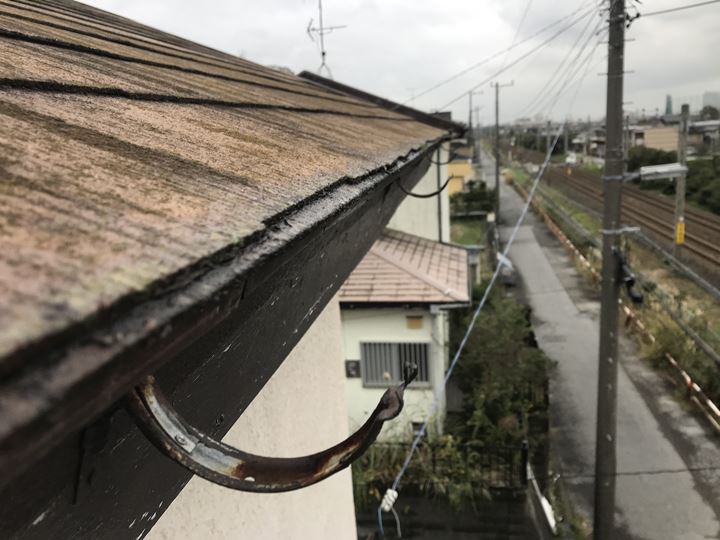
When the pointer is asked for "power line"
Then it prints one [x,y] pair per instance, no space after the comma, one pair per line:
[498,54]
[552,79]
[518,60]
[517,30]
[570,73]
[679,8]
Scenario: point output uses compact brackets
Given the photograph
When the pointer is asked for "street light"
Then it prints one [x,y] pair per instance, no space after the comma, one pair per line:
[662,172]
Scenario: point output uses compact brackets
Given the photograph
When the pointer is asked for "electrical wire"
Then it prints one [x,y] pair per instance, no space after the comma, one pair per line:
[427,195]
[471,325]
[517,31]
[678,8]
[498,54]
[547,86]
[517,60]
[571,73]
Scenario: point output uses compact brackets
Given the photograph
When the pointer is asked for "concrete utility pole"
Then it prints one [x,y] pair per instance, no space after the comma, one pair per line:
[605,443]
[497,87]
[626,145]
[680,186]
[566,149]
[470,132]
[547,136]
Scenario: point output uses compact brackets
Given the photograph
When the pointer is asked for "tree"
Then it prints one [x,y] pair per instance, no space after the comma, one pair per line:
[709,112]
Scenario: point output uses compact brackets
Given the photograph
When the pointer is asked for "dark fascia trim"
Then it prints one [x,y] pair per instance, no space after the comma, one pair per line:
[71,378]
[457,129]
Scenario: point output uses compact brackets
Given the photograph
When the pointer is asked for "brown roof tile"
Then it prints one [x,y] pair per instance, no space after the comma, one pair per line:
[127,155]
[403,268]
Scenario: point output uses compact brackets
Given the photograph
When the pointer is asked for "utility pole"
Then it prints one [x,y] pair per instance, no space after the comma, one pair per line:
[497,87]
[566,149]
[547,136]
[626,145]
[471,134]
[470,123]
[605,441]
[680,186]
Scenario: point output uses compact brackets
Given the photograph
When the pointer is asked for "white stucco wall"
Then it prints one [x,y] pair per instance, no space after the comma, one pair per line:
[390,325]
[420,216]
[301,410]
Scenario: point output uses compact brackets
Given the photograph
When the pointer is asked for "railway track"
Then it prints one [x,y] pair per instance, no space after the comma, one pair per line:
[709,221]
[651,213]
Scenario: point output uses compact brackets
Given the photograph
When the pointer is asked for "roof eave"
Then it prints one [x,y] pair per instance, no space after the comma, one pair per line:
[457,129]
[221,312]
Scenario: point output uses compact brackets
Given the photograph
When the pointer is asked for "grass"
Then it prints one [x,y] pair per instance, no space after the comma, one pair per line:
[468,231]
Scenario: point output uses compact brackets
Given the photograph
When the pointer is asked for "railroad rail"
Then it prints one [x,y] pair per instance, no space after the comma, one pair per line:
[649,211]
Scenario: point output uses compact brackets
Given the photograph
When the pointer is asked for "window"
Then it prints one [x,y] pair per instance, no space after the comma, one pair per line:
[382,363]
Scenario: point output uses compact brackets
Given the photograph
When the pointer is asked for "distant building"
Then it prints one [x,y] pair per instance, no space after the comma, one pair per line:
[661,138]
[460,167]
[712,99]
[668,104]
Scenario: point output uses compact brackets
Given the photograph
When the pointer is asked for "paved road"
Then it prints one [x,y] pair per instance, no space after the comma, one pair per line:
[656,436]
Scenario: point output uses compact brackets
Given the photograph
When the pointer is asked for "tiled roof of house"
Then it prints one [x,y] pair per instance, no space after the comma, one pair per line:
[129,156]
[403,268]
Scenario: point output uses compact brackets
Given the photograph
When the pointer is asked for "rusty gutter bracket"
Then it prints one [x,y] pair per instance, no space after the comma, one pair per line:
[235,469]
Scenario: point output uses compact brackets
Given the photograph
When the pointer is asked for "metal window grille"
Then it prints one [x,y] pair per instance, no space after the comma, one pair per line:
[382,363]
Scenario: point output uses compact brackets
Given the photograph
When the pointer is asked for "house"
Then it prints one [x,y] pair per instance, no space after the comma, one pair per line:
[395,303]
[460,168]
[661,138]
[394,311]
[590,142]
[178,219]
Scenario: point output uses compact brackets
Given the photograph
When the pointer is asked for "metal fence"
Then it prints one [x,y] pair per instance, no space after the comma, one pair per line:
[438,464]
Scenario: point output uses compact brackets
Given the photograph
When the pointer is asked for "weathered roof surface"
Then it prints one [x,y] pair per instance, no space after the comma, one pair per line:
[128,155]
[440,120]
[403,268]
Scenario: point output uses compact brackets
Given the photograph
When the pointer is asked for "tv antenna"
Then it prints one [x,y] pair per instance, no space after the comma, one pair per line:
[321,31]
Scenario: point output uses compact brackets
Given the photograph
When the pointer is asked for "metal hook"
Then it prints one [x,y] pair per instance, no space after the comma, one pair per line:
[233,468]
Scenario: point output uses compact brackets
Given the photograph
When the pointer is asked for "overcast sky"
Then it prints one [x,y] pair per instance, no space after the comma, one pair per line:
[398,48]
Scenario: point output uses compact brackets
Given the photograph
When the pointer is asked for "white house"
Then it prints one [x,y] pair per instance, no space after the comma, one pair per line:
[394,311]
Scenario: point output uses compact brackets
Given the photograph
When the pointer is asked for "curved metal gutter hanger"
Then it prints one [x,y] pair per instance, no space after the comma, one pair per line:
[233,468]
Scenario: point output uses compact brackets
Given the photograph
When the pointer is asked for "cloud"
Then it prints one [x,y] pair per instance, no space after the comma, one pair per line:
[397,48]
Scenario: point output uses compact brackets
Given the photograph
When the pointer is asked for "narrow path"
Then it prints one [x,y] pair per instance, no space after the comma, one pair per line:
[655,434]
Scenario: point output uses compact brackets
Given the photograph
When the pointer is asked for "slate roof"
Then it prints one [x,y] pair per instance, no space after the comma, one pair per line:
[406,269]
[129,156]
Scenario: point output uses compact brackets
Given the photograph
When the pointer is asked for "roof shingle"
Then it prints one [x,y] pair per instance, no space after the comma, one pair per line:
[403,268]
[128,155]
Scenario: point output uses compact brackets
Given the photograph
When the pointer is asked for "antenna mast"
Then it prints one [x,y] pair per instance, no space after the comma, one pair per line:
[321,31]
